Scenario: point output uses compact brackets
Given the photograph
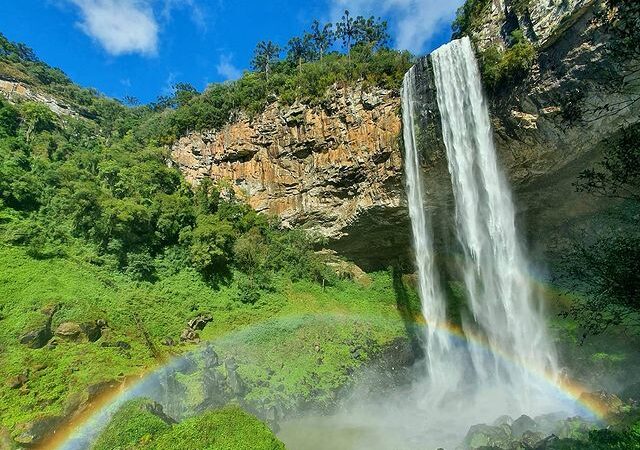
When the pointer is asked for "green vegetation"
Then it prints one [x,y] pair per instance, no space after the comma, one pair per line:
[501,68]
[607,266]
[607,439]
[139,425]
[98,231]
[469,17]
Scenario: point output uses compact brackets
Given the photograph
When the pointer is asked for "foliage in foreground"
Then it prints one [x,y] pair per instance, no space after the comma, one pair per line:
[137,426]
[607,265]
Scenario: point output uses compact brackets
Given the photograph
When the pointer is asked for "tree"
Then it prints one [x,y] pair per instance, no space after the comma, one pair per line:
[299,49]
[371,32]
[621,21]
[347,31]
[36,117]
[618,175]
[9,119]
[322,37]
[211,245]
[265,53]
[183,93]
[608,268]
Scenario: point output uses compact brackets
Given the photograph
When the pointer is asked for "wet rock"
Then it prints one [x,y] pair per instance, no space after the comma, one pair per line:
[487,436]
[36,338]
[603,400]
[523,424]
[31,433]
[233,379]
[69,331]
[573,428]
[198,323]
[168,342]
[189,335]
[93,330]
[210,358]
[531,438]
[502,420]
[157,410]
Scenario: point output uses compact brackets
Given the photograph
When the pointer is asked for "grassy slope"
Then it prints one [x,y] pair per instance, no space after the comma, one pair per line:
[134,427]
[281,331]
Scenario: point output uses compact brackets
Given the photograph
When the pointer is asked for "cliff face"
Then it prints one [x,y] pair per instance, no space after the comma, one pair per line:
[334,168]
[541,148]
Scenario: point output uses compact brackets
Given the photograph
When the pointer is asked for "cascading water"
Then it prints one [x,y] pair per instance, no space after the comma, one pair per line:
[504,310]
[441,365]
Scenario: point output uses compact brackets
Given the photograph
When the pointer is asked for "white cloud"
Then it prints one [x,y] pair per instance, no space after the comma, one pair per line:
[414,23]
[226,68]
[120,26]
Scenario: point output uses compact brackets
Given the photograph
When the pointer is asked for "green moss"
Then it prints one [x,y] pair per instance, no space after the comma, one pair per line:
[229,429]
[133,426]
[137,425]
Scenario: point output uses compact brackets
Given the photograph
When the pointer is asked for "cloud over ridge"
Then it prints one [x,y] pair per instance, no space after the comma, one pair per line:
[120,26]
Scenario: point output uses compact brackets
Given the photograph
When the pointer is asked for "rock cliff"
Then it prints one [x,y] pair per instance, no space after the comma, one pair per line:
[540,145]
[335,168]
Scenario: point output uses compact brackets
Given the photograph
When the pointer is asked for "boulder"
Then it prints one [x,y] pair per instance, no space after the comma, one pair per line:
[189,335]
[233,379]
[69,331]
[93,330]
[531,438]
[198,323]
[523,424]
[18,381]
[604,401]
[38,337]
[32,433]
[502,420]
[483,435]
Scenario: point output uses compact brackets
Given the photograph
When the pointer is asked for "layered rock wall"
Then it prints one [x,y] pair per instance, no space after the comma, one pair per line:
[335,168]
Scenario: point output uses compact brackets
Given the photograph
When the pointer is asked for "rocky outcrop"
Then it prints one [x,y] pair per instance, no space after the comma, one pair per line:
[15,90]
[335,167]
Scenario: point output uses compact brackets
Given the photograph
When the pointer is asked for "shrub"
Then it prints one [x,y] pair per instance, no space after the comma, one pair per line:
[507,67]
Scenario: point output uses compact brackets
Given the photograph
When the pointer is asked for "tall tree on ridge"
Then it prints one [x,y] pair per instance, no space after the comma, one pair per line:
[322,37]
[299,49]
[264,55]
[347,31]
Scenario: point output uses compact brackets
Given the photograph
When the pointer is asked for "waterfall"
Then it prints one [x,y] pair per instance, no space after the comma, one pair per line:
[502,302]
[438,351]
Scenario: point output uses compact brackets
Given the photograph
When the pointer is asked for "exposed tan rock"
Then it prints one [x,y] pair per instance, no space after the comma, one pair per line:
[326,167]
[70,331]
[14,90]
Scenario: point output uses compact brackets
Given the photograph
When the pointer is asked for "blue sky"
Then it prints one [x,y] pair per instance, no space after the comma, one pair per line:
[142,47]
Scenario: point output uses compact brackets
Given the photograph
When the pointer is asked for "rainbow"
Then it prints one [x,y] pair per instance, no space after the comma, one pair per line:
[81,431]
